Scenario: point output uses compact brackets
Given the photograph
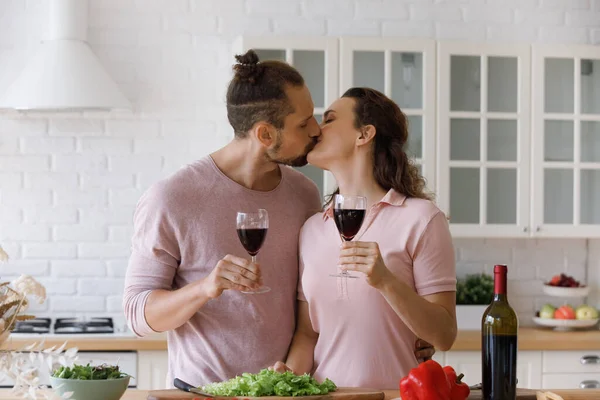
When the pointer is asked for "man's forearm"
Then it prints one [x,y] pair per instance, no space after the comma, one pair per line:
[429,321]
[166,310]
[301,355]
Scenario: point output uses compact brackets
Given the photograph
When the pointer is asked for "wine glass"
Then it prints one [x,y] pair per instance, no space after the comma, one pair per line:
[348,214]
[252,229]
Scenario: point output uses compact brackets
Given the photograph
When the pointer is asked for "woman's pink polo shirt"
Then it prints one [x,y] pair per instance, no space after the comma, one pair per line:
[362,342]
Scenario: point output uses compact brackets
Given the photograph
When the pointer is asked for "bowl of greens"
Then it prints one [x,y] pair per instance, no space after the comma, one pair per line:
[89,382]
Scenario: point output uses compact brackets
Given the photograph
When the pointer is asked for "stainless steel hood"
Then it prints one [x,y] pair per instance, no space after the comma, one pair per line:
[65,75]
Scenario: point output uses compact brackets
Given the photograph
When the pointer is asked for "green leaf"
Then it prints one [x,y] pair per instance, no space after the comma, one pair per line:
[88,372]
[270,383]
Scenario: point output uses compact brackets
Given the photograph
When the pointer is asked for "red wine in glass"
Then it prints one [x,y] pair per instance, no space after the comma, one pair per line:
[252,239]
[348,222]
[348,214]
[252,230]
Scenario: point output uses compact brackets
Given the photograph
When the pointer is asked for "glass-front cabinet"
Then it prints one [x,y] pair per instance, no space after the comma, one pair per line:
[566,141]
[483,138]
[403,69]
[507,136]
[317,60]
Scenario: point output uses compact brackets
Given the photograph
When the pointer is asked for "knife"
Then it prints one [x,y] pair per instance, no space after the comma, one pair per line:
[186,387]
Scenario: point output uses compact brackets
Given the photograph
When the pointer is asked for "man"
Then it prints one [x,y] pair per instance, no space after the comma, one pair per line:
[188,268]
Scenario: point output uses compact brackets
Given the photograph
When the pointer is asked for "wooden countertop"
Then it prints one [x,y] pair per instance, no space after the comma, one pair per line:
[529,339]
[132,394]
[537,339]
[101,343]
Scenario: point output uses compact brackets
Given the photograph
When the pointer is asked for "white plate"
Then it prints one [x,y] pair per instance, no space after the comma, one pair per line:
[566,291]
[565,324]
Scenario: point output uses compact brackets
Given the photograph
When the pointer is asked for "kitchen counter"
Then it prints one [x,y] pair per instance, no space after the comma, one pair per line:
[529,339]
[101,342]
[537,339]
[132,394]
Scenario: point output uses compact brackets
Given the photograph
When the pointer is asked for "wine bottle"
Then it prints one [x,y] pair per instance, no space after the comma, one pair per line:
[499,329]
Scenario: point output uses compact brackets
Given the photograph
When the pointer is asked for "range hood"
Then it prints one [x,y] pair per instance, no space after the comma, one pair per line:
[65,75]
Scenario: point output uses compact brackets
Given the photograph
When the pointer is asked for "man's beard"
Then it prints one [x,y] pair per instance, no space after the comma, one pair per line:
[299,161]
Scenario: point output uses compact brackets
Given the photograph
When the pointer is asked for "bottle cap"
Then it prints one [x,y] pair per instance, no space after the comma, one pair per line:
[500,268]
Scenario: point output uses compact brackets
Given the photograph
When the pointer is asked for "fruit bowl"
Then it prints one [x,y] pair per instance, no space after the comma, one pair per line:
[565,324]
[559,291]
[564,285]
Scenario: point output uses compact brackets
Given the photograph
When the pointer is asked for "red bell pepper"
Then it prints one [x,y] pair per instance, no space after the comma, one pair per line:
[458,389]
[428,381]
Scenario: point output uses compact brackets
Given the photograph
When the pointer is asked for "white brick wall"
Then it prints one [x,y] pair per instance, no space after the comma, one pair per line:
[69,183]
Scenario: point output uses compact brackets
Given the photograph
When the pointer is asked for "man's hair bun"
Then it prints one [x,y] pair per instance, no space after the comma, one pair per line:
[248,67]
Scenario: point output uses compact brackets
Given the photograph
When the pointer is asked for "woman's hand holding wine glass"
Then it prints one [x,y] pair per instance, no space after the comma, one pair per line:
[364,257]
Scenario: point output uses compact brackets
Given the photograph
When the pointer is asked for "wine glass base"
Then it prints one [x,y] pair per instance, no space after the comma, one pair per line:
[262,289]
[340,275]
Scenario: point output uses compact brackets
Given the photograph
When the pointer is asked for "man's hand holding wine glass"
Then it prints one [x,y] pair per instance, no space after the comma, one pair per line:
[364,257]
[234,273]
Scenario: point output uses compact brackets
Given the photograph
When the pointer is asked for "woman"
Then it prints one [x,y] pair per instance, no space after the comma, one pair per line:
[403,251]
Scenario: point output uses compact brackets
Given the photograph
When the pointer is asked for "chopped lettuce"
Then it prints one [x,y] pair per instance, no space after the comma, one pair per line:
[270,383]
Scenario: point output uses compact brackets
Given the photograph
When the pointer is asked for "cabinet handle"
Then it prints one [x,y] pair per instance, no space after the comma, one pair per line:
[589,385]
[525,229]
[590,360]
[538,229]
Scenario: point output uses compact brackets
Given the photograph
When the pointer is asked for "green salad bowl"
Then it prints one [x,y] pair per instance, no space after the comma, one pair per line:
[101,389]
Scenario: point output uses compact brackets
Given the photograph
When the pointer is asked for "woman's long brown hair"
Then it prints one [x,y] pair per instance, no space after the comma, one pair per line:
[392,167]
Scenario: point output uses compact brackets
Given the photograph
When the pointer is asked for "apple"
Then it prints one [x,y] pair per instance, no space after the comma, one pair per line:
[586,312]
[547,311]
[564,312]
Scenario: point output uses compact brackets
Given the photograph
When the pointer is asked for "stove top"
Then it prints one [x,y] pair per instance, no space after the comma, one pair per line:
[65,326]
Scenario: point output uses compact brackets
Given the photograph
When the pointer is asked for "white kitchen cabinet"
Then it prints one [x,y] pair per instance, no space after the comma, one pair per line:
[316,58]
[404,70]
[152,370]
[570,381]
[571,369]
[566,141]
[529,367]
[483,138]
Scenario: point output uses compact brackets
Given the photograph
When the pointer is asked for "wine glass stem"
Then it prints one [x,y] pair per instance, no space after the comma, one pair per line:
[254,259]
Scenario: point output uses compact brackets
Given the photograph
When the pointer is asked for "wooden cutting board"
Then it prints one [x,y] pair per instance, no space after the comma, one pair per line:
[339,394]
[522,394]
[365,394]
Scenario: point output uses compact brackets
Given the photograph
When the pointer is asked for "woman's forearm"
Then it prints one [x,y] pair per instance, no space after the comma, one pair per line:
[429,321]
[301,355]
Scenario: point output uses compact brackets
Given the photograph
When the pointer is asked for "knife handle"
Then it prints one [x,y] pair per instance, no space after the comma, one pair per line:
[179,384]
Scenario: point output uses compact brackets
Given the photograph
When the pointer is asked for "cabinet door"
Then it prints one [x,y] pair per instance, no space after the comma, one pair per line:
[483,138]
[405,71]
[566,141]
[570,381]
[152,370]
[529,367]
[316,58]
